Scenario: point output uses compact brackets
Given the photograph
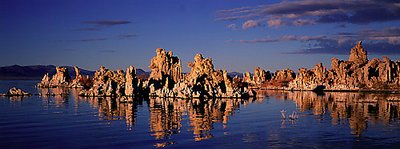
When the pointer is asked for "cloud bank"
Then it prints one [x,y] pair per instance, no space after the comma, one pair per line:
[308,12]
[384,41]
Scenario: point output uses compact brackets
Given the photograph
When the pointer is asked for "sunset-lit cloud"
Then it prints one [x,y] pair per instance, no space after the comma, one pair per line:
[384,41]
[284,38]
[250,24]
[232,26]
[316,12]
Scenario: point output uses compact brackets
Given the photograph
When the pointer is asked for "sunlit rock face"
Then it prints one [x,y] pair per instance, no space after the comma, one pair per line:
[165,68]
[106,83]
[16,92]
[207,82]
[280,79]
[132,82]
[76,83]
[358,73]
[167,80]
[361,73]
[358,55]
[80,81]
[259,77]
[45,81]
[309,79]
[60,79]
[166,73]
[203,81]
[202,76]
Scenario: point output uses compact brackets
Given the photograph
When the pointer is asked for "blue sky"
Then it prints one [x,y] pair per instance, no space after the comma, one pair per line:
[238,34]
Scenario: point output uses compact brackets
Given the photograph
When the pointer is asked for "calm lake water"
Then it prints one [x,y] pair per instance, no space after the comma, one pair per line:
[331,120]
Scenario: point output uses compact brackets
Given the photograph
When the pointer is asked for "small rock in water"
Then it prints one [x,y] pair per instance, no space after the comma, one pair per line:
[17,92]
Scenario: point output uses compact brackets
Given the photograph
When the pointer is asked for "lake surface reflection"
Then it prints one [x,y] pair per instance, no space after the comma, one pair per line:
[330,120]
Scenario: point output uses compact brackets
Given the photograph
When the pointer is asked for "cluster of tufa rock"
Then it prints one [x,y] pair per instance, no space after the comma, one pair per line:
[16,92]
[266,80]
[166,80]
[108,83]
[203,81]
[62,79]
[357,73]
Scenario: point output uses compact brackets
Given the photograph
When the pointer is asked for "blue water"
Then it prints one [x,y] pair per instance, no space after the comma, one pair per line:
[332,120]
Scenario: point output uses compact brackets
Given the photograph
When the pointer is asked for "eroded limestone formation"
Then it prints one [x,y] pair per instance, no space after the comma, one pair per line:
[280,79]
[60,79]
[203,81]
[16,92]
[132,84]
[80,81]
[259,77]
[358,55]
[165,67]
[358,73]
[106,83]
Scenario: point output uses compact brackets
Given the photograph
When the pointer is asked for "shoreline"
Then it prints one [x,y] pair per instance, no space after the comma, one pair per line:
[384,91]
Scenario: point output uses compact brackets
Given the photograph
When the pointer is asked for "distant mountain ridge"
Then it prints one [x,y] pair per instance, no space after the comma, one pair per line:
[17,72]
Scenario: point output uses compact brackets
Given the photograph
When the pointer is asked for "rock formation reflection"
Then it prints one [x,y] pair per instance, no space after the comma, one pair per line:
[110,109]
[166,116]
[357,109]
[171,116]
[60,95]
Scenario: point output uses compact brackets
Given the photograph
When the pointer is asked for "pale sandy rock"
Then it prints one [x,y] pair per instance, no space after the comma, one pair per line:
[358,55]
[105,83]
[247,78]
[17,92]
[358,73]
[131,85]
[60,79]
[165,65]
[260,76]
[80,81]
